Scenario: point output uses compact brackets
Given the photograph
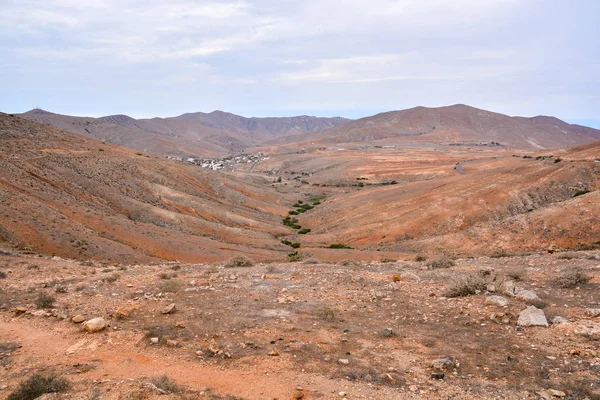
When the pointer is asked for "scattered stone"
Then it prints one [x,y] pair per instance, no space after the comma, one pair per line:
[180,325]
[170,309]
[552,248]
[20,310]
[299,393]
[442,364]
[274,353]
[78,319]
[40,313]
[438,376]
[344,361]
[592,312]
[154,340]
[532,316]
[527,295]
[496,301]
[94,325]
[558,320]
[172,343]
[342,394]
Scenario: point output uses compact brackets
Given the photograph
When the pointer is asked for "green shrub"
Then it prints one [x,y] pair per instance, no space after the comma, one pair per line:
[581,192]
[295,256]
[304,231]
[295,245]
[37,385]
[293,212]
[339,246]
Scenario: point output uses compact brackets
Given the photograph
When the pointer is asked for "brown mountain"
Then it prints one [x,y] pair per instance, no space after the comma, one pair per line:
[457,124]
[213,134]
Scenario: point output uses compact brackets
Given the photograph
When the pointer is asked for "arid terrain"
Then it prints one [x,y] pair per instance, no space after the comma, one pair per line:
[351,260]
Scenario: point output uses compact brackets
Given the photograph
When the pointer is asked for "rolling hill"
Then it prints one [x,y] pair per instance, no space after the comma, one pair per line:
[457,124]
[202,134]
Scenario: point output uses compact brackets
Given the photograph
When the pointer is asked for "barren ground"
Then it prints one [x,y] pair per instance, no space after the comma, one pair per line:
[367,329]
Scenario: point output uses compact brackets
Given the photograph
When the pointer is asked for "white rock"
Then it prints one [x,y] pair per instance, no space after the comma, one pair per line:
[496,301]
[344,361]
[527,295]
[532,316]
[592,312]
[94,325]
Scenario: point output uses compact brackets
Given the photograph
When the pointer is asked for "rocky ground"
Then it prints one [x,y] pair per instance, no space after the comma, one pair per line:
[431,329]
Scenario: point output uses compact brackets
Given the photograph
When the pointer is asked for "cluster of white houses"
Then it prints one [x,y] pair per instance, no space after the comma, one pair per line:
[220,163]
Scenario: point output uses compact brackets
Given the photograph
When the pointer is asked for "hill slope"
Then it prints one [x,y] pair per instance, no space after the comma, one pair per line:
[457,124]
[65,194]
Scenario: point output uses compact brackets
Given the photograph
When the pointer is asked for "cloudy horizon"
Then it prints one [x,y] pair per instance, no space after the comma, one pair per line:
[280,58]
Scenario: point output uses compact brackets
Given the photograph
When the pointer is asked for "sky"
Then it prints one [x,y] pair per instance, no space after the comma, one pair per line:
[350,58]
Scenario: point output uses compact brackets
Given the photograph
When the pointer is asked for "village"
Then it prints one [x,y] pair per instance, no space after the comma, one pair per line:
[230,163]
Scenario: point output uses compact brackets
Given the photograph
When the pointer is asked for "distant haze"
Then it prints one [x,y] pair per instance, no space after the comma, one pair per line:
[283,58]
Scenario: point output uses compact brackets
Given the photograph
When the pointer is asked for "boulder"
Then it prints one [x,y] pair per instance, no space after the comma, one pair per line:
[532,316]
[170,309]
[496,301]
[94,325]
[527,295]
[442,364]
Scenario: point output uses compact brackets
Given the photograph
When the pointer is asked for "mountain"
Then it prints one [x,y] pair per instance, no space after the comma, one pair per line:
[213,134]
[66,194]
[457,124]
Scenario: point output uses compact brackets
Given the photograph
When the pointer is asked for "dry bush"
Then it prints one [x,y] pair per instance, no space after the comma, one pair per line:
[310,260]
[441,262]
[516,274]
[111,278]
[571,277]
[37,385]
[170,286]
[272,269]
[44,300]
[500,253]
[2,275]
[239,261]
[165,384]
[420,257]
[326,313]
[466,285]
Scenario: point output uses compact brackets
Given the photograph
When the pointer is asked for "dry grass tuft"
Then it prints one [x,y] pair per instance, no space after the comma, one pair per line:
[239,261]
[571,277]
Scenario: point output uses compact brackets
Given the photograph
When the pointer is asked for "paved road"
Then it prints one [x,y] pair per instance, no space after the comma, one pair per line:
[458,167]
[253,165]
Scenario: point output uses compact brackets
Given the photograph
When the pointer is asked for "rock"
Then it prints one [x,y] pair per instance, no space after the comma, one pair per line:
[298,394]
[532,316]
[592,312]
[344,361]
[438,376]
[78,319]
[40,313]
[552,249]
[558,320]
[527,295]
[556,393]
[172,343]
[508,288]
[442,364]
[274,353]
[154,340]
[390,379]
[94,325]
[170,309]
[20,310]
[544,395]
[501,318]
[342,394]
[496,301]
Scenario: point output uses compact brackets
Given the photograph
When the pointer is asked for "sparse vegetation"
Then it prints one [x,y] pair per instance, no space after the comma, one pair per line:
[420,257]
[441,262]
[466,285]
[239,261]
[304,231]
[295,256]
[3,275]
[516,274]
[339,246]
[165,384]
[326,313]
[170,286]
[44,300]
[580,192]
[38,385]
[500,253]
[571,278]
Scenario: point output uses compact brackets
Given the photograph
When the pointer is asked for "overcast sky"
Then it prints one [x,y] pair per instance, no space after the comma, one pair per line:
[286,57]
